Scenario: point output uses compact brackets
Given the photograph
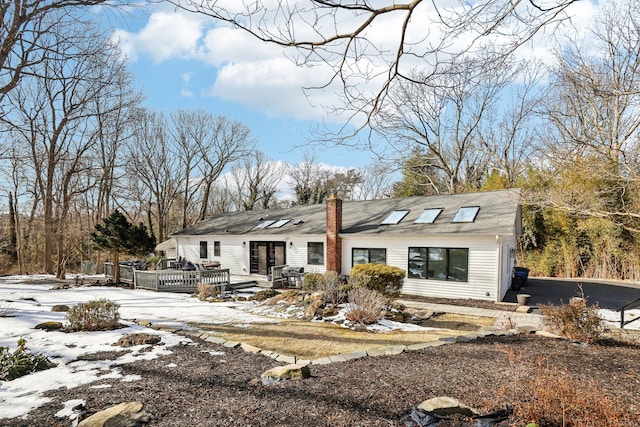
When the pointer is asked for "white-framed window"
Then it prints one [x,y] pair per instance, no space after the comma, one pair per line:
[204,250]
[368,256]
[315,253]
[449,264]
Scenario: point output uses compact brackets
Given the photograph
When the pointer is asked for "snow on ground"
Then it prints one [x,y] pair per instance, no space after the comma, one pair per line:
[612,318]
[26,301]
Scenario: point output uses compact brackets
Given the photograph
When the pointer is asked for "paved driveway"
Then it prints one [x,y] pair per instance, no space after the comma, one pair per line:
[556,291]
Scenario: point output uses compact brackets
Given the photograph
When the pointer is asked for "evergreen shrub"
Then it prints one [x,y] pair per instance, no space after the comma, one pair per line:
[310,281]
[382,278]
[96,315]
[21,362]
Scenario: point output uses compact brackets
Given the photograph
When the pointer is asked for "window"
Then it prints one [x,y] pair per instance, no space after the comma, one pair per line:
[371,256]
[428,216]
[451,264]
[279,223]
[315,253]
[204,254]
[265,224]
[216,248]
[466,214]
[394,217]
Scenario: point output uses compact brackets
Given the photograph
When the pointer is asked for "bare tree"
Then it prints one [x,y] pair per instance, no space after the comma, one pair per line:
[24,31]
[256,179]
[508,135]
[189,132]
[114,127]
[225,141]
[54,117]
[443,124]
[595,118]
[419,35]
[154,170]
[376,182]
[308,180]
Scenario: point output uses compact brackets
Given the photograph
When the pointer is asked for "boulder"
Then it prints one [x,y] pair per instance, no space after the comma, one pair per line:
[49,326]
[60,308]
[313,308]
[123,415]
[287,372]
[330,312]
[138,339]
[444,405]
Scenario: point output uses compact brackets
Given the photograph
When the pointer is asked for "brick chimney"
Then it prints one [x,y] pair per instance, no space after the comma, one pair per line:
[333,226]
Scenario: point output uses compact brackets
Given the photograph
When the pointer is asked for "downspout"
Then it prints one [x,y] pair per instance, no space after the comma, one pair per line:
[498,296]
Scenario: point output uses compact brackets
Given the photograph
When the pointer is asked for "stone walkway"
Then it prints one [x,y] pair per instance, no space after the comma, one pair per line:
[511,322]
[519,319]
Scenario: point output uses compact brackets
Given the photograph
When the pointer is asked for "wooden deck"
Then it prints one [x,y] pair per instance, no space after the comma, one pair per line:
[169,280]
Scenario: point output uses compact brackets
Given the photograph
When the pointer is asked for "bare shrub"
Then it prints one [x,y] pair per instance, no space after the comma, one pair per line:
[96,315]
[549,396]
[331,288]
[506,323]
[365,306]
[575,320]
[6,309]
[205,291]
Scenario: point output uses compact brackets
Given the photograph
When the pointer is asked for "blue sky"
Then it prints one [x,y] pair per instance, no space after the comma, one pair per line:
[189,61]
[185,61]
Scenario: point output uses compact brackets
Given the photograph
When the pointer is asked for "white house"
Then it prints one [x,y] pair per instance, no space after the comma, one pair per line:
[452,246]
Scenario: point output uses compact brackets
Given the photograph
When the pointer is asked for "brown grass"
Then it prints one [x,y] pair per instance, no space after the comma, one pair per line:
[312,340]
[541,392]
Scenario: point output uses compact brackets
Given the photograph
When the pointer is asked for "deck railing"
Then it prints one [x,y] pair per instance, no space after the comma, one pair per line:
[170,280]
[632,304]
[180,280]
[126,272]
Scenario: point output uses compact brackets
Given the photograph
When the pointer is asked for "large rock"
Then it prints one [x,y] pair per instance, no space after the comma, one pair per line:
[313,309]
[60,308]
[123,415]
[49,326]
[445,405]
[287,372]
[138,339]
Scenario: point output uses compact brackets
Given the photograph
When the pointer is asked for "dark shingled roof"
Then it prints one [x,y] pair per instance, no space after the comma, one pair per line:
[499,213]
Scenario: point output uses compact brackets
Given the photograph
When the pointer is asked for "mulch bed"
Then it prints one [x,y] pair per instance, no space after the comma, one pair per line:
[206,389]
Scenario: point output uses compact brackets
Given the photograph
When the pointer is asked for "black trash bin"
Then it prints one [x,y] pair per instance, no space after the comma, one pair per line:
[516,282]
[523,273]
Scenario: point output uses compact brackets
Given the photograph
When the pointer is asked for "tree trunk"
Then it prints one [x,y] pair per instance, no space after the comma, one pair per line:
[116,267]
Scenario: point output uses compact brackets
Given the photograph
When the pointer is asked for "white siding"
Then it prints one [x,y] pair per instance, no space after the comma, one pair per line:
[297,254]
[508,262]
[234,255]
[483,263]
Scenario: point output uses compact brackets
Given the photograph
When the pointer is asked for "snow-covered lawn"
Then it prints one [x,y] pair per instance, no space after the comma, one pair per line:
[27,300]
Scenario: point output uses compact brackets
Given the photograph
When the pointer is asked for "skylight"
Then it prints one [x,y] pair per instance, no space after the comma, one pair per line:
[394,217]
[428,216]
[266,223]
[279,223]
[466,214]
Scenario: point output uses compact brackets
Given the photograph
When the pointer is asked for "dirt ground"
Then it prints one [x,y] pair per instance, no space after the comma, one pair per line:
[205,384]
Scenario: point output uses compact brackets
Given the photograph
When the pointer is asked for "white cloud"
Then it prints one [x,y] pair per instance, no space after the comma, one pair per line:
[272,85]
[244,70]
[186,77]
[165,36]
